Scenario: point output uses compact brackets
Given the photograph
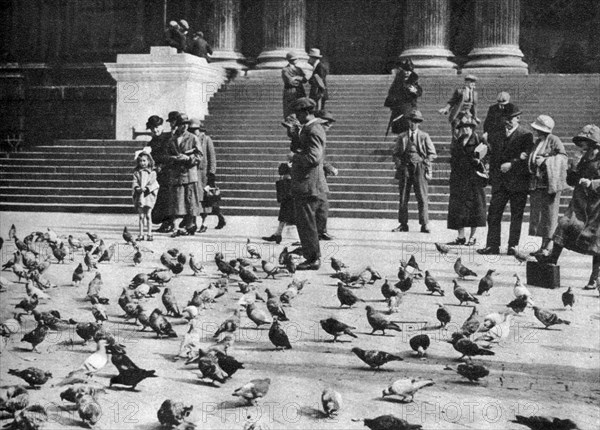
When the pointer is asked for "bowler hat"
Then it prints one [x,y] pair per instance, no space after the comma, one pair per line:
[326,115]
[154,121]
[290,56]
[173,115]
[511,111]
[182,119]
[471,78]
[589,133]
[184,24]
[503,97]
[315,52]
[196,123]
[543,123]
[416,116]
[304,103]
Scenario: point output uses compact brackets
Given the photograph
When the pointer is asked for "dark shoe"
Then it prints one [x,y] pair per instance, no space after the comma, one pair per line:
[166,227]
[182,223]
[425,229]
[203,229]
[180,232]
[472,241]
[325,236]
[309,265]
[221,223]
[589,287]
[192,230]
[488,250]
[273,238]
[401,227]
[511,251]
[458,241]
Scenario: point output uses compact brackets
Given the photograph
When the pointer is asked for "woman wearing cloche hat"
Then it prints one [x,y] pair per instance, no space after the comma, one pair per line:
[547,164]
[578,228]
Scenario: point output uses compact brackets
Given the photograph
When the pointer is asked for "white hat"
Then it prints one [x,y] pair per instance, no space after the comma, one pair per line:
[543,123]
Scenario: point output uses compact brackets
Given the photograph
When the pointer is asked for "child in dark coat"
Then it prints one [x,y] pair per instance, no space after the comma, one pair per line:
[286,202]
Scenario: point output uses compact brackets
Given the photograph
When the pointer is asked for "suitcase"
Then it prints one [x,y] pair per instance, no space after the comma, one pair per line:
[543,275]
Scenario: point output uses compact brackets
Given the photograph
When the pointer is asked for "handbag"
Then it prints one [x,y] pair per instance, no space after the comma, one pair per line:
[284,190]
[212,195]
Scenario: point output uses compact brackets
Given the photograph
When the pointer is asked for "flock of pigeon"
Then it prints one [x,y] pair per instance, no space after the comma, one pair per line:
[263,306]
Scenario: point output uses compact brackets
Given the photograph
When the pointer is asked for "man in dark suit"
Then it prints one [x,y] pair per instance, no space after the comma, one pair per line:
[413,155]
[293,83]
[199,46]
[463,103]
[494,120]
[309,187]
[318,81]
[402,96]
[509,177]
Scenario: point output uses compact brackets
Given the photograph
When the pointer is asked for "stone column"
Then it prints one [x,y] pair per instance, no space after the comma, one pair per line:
[225,30]
[426,36]
[284,30]
[496,47]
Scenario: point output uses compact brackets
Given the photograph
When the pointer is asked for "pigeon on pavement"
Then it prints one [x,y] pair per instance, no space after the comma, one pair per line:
[462,294]
[547,317]
[375,359]
[253,390]
[379,322]
[461,270]
[443,315]
[337,328]
[32,375]
[331,401]
[486,283]
[432,284]
[346,296]
[406,388]
[420,343]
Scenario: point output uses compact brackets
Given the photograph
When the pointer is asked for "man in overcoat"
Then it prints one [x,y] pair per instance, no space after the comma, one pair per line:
[463,103]
[199,46]
[309,187]
[293,83]
[509,177]
[402,96]
[494,120]
[413,155]
[318,81]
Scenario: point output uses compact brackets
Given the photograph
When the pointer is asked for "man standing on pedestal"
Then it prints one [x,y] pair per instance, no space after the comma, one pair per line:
[199,46]
[413,155]
[309,187]
[509,177]
[318,80]
[293,80]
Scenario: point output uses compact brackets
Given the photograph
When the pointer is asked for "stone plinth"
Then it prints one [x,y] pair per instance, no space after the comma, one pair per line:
[160,82]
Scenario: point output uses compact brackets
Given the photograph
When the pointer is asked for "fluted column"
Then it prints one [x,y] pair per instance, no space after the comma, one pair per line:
[284,30]
[497,27]
[225,30]
[426,36]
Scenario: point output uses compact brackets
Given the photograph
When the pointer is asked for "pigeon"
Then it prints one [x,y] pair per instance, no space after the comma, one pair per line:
[471,324]
[467,347]
[36,336]
[462,294]
[461,270]
[93,236]
[375,359]
[90,261]
[248,276]
[161,276]
[78,275]
[170,303]
[520,257]
[171,414]
[253,390]
[89,410]
[48,318]
[568,298]
[97,360]
[182,259]
[71,394]
[257,316]
[108,254]
[486,283]
[406,388]
[86,331]
[406,282]
[275,307]
[252,249]
[229,364]
[20,271]
[270,269]
[230,325]
[132,377]
[519,289]
[17,398]
[127,236]
[442,249]
[519,304]
[32,375]
[28,304]
[496,333]
[143,317]
[432,284]
[337,328]
[99,313]
[443,315]
[59,252]
[545,423]
[160,325]
[223,266]
[10,326]
[420,343]
[32,417]
[394,303]
[547,317]
[196,265]
[331,401]
[120,359]
[74,243]
[389,422]
[388,290]
[137,255]
[278,336]
[95,285]
[412,263]
[473,372]
[379,322]
[346,296]
[337,264]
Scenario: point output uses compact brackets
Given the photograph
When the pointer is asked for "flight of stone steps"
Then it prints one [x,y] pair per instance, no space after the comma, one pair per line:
[244,121]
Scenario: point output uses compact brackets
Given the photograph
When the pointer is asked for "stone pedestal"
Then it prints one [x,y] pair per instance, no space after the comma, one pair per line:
[284,30]
[496,47]
[225,30]
[160,82]
[426,36]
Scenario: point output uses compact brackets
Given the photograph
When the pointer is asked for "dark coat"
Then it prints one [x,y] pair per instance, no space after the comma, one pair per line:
[160,154]
[318,83]
[199,47]
[308,176]
[293,88]
[579,228]
[509,149]
[184,171]
[457,104]
[175,38]
[467,205]
[494,122]
[402,99]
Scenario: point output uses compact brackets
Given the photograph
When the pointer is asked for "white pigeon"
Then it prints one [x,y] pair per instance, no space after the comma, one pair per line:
[97,360]
[497,333]
[190,312]
[331,401]
[32,289]
[520,289]
[406,388]
[492,320]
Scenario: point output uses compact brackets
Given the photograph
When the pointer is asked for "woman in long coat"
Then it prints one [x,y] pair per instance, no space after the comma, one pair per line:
[467,206]
[579,228]
[159,144]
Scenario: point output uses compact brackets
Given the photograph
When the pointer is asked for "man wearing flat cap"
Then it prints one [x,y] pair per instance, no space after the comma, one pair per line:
[293,83]
[413,155]
[402,97]
[463,103]
[309,187]
[509,177]
[318,81]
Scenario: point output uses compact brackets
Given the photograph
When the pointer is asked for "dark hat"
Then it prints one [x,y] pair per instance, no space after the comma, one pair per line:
[511,110]
[182,119]
[290,56]
[466,122]
[589,133]
[304,103]
[196,123]
[154,121]
[173,115]
[199,34]
[326,115]
[407,65]
[471,78]
[415,115]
